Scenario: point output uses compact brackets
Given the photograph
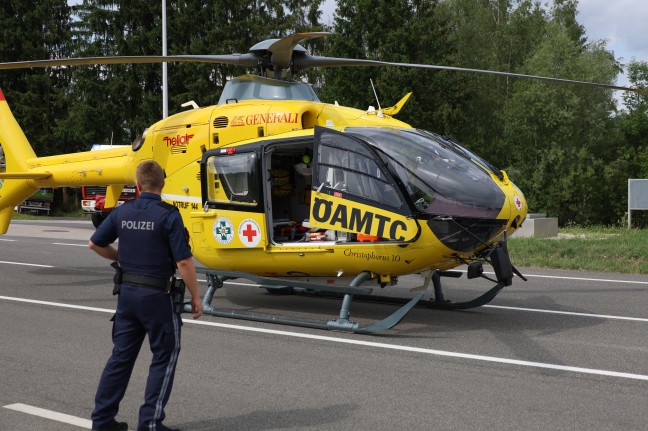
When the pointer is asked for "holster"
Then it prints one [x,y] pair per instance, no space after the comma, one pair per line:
[178,293]
[117,278]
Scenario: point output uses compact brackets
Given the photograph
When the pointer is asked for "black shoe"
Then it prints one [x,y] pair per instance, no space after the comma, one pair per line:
[163,427]
[113,426]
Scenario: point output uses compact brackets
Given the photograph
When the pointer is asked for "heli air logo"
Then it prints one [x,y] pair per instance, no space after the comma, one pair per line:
[172,141]
[249,233]
[272,118]
[223,230]
[518,202]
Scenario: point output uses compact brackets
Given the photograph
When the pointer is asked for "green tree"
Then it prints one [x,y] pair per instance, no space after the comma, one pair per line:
[127,98]
[36,30]
[561,135]
[631,127]
[489,35]
[117,102]
[635,119]
[226,27]
[517,124]
[396,31]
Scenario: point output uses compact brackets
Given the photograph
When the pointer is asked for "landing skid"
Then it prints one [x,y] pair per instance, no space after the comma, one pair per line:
[216,278]
[439,302]
[215,281]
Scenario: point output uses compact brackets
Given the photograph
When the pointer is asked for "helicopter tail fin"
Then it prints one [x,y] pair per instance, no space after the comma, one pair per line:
[396,108]
[17,183]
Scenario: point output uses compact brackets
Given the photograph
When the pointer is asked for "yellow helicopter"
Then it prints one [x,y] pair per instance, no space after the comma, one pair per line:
[295,194]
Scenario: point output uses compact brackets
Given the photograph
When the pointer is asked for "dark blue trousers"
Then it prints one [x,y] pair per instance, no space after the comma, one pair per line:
[141,311]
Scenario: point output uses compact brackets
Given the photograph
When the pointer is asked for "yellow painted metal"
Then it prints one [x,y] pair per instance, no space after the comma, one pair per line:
[239,240]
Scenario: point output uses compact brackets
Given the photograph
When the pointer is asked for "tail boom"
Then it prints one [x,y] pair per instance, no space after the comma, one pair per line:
[26,173]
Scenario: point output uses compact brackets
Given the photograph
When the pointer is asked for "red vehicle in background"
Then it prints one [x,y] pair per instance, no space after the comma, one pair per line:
[94,197]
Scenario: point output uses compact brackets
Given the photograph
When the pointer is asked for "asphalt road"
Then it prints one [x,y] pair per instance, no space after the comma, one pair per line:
[565,350]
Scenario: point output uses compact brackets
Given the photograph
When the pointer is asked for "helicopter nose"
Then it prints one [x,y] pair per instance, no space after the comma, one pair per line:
[463,234]
[518,207]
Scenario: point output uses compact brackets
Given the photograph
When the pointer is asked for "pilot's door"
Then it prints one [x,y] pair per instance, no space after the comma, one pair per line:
[353,192]
[231,190]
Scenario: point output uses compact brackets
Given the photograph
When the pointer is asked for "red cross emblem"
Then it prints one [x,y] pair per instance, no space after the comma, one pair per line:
[518,202]
[249,232]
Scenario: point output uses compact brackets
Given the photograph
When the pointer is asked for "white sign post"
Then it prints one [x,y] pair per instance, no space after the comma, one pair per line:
[637,197]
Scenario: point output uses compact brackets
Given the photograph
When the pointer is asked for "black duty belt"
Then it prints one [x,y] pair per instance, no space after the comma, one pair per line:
[146,281]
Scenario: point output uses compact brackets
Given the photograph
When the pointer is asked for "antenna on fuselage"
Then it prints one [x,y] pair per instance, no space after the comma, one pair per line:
[379,114]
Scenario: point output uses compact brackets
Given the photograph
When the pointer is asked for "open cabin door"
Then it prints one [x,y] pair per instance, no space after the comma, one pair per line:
[231,191]
[288,182]
[353,193]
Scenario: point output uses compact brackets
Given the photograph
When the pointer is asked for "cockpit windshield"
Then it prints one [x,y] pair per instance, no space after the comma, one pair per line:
[440,176]
[251,87]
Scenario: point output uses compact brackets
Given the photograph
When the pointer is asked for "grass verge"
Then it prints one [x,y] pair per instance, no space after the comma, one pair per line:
[587,249]
[72,214]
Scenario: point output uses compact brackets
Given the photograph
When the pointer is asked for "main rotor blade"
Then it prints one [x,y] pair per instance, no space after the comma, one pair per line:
[282,49]
[307,61]
[250,60]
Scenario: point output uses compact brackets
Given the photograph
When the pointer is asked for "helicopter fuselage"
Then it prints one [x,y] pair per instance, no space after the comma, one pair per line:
[280,187]
[355,208]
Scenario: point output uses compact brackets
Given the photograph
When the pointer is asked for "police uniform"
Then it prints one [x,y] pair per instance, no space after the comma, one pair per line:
[151,240]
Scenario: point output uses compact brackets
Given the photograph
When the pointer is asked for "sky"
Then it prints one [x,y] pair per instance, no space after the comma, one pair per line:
[622,23]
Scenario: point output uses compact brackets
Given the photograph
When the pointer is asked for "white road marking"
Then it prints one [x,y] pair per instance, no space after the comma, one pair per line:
[603,280]
[531,310]
[74,245]
[49,414]
[26,264]
[568,313]
[48,222]
[606,373]
[57,304]
[494,359]
[559,277]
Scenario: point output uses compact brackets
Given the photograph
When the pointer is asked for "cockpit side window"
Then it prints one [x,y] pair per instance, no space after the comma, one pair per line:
[233,179]
[347,166]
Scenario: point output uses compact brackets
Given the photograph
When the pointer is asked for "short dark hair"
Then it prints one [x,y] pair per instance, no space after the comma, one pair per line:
[150,175]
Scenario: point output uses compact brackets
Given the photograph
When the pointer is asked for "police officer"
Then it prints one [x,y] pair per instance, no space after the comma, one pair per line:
[152,243]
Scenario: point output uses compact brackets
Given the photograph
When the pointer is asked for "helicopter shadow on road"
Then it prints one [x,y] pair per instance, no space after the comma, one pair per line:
[521,333]
[85,275]
[79,285]
[420,322]
[276,419]
[517,330]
